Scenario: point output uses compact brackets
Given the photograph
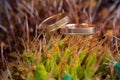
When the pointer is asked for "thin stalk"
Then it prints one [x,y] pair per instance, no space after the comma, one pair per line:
[96,9]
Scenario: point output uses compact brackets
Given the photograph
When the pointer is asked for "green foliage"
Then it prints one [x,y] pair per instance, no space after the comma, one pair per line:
[61,43]
[57,56]
[91,60]
[79,66]
[50,64]
[67,52]
[30,76]
[40,73]
[28,57]
[82,56]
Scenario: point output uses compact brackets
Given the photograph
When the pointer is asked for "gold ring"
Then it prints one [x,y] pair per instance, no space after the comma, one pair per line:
[54,22]
[74,29]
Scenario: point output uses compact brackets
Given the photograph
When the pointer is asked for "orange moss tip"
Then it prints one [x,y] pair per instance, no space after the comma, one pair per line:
[49,56]
[63,62]
[109,33]
[34,67]
[73,65]
[56,48]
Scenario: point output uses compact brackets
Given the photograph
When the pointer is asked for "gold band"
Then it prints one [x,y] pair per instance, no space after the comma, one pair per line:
[73,30]
[54,22]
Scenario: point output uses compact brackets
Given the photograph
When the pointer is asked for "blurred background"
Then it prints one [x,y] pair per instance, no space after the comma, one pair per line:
[20,19]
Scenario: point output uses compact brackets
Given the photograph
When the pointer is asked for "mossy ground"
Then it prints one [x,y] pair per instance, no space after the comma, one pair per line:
[28,54]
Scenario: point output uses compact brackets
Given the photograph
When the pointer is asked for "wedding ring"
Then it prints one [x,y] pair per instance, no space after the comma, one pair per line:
[54,22]
[74,29]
